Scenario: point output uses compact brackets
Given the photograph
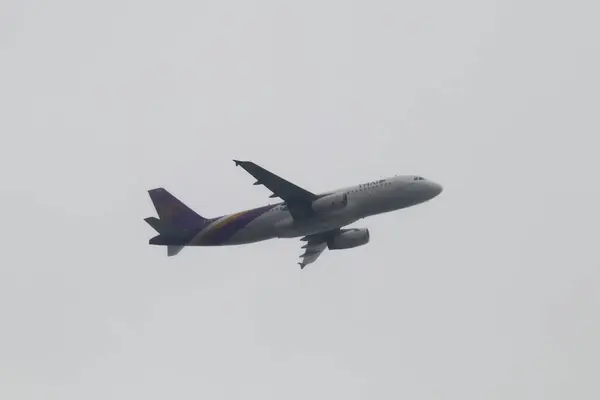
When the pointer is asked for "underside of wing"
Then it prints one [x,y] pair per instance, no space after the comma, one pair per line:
[311,253]
[314,247]
[296,198]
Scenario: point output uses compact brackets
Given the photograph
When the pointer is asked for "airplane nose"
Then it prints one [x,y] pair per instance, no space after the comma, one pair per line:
[436,189]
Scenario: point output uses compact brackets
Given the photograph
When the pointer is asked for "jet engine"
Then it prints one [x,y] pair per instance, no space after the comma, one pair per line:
[332,202]
[349,238]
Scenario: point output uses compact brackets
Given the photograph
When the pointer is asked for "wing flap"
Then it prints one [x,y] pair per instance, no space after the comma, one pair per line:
[312,252]
[314,247]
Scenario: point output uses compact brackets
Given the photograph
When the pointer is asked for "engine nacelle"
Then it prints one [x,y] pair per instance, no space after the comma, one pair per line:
[332,202]
[349,238]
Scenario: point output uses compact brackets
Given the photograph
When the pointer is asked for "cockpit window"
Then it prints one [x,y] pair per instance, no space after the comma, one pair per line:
[418,178]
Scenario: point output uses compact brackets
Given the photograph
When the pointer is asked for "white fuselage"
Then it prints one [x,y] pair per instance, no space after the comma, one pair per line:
[364,200]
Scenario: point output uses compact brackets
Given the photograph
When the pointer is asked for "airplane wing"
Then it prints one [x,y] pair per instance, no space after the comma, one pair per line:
[296,198]
[315,245]
[312,252]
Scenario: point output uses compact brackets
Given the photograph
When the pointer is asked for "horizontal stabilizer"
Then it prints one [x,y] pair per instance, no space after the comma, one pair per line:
[155,223]
[174,250]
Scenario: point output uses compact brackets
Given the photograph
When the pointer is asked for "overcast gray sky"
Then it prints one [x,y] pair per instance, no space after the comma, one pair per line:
[490,291]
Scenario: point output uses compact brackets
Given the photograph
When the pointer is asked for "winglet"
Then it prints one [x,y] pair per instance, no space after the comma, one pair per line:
[237,162]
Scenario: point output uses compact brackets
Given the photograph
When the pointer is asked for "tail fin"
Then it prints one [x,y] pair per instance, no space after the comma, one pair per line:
[173,213]
[177,224]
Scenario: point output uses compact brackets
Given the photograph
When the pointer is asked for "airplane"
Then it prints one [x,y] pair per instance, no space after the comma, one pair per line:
[318,219]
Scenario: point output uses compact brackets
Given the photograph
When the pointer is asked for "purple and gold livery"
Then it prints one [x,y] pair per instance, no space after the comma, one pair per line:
[223,229]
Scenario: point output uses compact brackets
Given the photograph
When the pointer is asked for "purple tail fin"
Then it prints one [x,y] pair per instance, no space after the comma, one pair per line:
[173,214]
